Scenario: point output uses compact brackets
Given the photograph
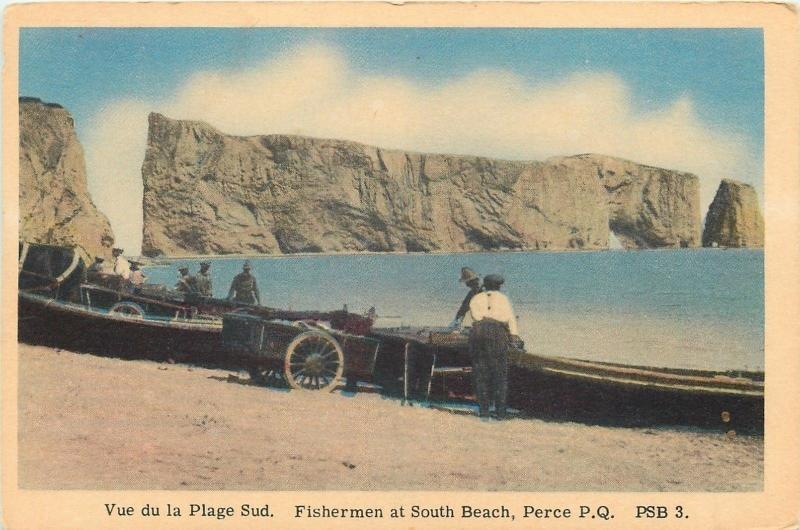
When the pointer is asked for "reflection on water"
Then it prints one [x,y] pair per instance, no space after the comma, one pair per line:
[699,308]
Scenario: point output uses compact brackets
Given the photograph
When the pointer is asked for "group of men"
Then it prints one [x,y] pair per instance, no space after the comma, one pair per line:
[199,283]
[493,325]
[128,272]
[244,288]
[493,320]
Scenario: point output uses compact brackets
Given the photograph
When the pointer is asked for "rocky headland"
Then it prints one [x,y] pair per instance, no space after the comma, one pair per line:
[734,217]
[54,202]
[206,192]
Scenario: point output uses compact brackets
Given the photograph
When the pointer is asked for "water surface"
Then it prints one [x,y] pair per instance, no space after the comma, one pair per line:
[693,308]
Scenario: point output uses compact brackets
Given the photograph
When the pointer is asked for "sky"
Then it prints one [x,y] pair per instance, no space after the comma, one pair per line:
[684,99]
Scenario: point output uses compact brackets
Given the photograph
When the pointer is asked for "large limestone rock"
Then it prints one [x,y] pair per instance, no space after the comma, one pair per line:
[734,217]
[210,193]
[54,202]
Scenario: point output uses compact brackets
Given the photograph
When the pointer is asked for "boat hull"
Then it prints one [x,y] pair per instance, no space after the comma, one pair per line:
[73,326]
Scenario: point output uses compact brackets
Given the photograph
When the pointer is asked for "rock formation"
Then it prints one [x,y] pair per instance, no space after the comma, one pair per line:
[54,202]
[734,217]
[210,193]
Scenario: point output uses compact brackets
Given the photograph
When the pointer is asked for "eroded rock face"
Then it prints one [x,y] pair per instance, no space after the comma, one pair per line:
[210,193]
[734,217]
[55,206]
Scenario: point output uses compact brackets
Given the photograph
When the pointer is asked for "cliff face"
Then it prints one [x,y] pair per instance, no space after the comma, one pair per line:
[54,203]
[210,193]
[734,217]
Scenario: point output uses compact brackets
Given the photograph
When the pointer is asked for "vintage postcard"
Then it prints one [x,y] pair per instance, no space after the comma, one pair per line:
[317,265]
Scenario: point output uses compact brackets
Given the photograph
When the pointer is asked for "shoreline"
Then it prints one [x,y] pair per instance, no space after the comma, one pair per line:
[146,260]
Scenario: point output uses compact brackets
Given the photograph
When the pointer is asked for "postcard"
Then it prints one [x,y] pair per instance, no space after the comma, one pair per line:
[332,265]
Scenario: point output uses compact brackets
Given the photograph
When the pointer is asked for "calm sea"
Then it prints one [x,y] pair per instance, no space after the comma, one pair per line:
[699,308]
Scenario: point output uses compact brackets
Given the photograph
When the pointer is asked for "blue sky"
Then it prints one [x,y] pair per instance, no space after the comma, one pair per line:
[705,85]
[721,68]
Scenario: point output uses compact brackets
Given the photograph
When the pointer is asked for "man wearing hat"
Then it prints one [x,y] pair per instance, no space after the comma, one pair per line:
[489,340]
[122,266]
[99,266]
[244,288]
[472,281]
[186,283]
[203,279]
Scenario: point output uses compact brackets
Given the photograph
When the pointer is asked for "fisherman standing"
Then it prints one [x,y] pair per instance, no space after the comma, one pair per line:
[203,280]
[489,341]
[186,283]
[122,266]
[472,281]
[244,288]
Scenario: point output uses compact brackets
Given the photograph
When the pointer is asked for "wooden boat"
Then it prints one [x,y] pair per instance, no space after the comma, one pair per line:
[58,307]
[574,389]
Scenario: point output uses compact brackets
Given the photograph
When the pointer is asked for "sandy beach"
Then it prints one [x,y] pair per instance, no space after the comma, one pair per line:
[90,422]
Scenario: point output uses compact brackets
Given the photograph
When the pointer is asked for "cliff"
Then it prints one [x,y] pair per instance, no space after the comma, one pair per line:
[210,193]
[54,202]
[734,217]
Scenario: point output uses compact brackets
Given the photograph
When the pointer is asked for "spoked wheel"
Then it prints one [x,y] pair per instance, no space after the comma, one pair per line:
[314,361]
[127,309]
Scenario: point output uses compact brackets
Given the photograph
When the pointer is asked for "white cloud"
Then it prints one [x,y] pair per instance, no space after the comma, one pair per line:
[313,90]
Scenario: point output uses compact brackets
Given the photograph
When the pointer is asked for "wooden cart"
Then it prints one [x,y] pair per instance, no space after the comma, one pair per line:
[309,354]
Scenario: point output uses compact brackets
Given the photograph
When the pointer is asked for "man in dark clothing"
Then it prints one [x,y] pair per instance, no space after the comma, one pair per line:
[203,280]
[472,280]
[186,283]
[244,288]
[489,342]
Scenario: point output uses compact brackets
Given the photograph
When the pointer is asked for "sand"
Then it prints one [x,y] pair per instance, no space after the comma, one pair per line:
[90,422]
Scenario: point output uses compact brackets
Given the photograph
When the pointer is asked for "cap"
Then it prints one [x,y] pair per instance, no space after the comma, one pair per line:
[99,258]
[493,280]
[182,269]
[246,264]
[468,274]
[205,264]
[117,249]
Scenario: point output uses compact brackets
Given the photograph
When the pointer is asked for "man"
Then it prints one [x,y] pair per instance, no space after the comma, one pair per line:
[489,340]
[472,281]
[137,276]
[244,288]
[122,266]
[99,266]
[203,280]
[186,283]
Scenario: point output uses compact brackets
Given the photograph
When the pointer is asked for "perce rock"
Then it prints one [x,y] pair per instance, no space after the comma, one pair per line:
[734,217]
[206,192]
[54,202]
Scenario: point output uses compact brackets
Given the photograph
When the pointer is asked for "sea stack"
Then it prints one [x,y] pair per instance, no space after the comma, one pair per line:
[54,202]
[206,192]
[734,218]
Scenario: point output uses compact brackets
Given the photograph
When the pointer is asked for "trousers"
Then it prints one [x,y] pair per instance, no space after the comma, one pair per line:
[488,346]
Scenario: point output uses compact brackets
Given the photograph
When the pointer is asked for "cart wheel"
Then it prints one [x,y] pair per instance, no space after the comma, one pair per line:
[127,309]
[314,361]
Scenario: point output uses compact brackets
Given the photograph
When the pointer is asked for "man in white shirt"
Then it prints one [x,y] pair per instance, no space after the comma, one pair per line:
[122,266]
[489,340]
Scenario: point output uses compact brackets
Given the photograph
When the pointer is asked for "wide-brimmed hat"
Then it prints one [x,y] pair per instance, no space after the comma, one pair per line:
[468,275]
[493,280]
